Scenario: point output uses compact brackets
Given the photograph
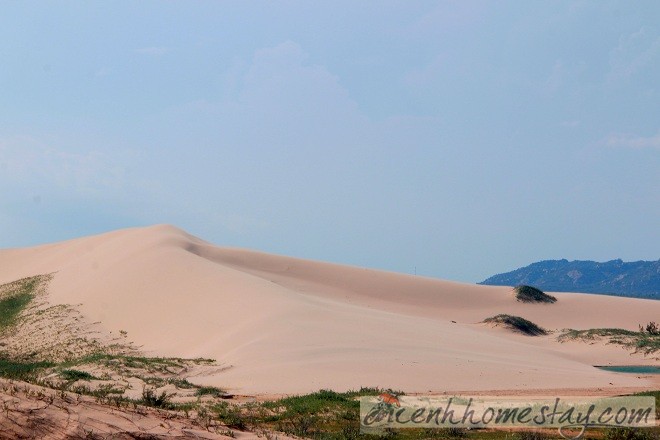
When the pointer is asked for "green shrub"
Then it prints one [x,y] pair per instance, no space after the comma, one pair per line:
[518,324]
[651,328]
[151,398]
[532,294]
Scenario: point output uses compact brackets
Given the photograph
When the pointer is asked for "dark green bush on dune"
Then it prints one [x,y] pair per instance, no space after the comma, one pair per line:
[517,323]
[532,294]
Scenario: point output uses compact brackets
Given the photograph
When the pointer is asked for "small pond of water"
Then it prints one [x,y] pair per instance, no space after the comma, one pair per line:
[634,369]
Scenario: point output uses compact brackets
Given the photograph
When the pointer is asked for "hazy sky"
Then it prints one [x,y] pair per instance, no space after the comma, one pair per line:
[462,138]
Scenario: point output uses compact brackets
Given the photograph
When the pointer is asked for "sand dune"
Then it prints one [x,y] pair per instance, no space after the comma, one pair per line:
[287,325]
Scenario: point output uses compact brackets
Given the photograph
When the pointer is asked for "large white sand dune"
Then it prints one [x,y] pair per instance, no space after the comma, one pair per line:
[287,325]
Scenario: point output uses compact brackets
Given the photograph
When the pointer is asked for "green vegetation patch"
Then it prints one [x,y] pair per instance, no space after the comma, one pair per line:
[324,414]
[74,375]
[17,370]
[11,307]
[330,415]
[517,323]
[318,402]
[648,344]
[532,294]
[24,285]
[312,414]
[107,390]
[125,363]
[640,341]
[594,333]
[15,296]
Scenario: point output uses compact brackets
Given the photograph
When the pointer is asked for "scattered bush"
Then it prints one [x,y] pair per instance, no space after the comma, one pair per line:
[517,323]
[231,415]
[151,398]
[648,344]
[651,328]
[301,425]
[532,294]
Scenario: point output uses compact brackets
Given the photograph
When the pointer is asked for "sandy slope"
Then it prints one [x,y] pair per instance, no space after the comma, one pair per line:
[287,325]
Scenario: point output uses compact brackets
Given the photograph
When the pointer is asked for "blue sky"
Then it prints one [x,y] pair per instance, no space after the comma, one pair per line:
[460,138]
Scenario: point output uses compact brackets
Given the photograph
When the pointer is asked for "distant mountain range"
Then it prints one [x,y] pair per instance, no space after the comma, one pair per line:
[638,279]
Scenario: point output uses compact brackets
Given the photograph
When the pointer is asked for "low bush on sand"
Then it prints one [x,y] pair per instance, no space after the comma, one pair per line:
[533,295]
[516,323]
